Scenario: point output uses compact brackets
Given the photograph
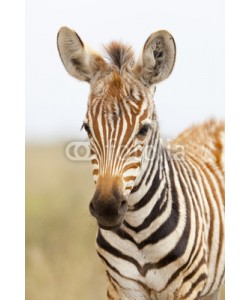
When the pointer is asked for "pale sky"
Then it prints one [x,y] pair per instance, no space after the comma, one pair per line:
[56,103]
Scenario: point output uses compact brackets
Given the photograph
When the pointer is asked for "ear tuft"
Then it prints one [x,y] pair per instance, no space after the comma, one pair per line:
[158,58]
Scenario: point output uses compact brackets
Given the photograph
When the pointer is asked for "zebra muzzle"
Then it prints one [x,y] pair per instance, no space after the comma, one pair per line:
[108,209]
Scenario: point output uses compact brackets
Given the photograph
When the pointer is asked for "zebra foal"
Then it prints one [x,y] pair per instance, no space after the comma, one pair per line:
[160,210]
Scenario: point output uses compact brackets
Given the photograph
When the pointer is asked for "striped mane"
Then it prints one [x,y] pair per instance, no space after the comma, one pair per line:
[119,54]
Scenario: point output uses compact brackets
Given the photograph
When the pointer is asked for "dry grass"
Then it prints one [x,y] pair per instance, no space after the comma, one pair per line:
[61,262]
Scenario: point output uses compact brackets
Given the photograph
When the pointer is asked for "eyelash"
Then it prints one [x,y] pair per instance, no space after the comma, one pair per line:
[86,127]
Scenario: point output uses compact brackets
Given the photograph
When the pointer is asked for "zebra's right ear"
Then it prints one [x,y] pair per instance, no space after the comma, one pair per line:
[79,62]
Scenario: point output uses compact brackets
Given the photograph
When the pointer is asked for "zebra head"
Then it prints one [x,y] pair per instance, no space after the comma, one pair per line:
[120,119]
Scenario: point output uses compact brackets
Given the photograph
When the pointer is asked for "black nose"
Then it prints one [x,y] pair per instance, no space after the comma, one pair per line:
[109,210]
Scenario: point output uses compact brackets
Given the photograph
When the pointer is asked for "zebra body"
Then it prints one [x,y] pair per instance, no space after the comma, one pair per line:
[160,209]
[176,254]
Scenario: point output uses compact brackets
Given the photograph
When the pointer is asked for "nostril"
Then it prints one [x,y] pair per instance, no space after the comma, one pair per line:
[123,207]
[92,209]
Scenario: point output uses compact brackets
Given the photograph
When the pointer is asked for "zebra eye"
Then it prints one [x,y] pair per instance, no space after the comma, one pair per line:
[143,130]
[86,127]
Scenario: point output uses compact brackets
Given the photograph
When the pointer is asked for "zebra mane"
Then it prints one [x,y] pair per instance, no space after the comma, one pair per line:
[119,54]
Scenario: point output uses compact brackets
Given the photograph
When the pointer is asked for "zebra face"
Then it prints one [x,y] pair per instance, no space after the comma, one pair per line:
[120,116]
[119,122]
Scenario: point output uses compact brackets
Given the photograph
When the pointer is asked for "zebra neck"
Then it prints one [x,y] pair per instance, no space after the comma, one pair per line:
[149,197]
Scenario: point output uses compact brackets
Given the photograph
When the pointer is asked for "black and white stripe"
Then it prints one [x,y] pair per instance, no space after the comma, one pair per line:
[163,245]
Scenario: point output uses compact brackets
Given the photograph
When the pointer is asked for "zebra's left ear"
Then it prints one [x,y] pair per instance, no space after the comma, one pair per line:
[158,58]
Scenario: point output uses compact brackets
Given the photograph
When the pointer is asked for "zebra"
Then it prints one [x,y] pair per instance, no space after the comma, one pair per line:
[159,207]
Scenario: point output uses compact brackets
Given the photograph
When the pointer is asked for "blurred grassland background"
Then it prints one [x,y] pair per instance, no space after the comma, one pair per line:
[61,261]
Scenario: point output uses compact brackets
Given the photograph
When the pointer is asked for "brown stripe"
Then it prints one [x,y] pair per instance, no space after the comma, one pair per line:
[143,116]
[136,153]
[95,172]
[129,178]
[109,296]
[96,131]
[218,180]
[211,231]
[200,279]
[221,229]
[131,166]
[193,273]
[111,280]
